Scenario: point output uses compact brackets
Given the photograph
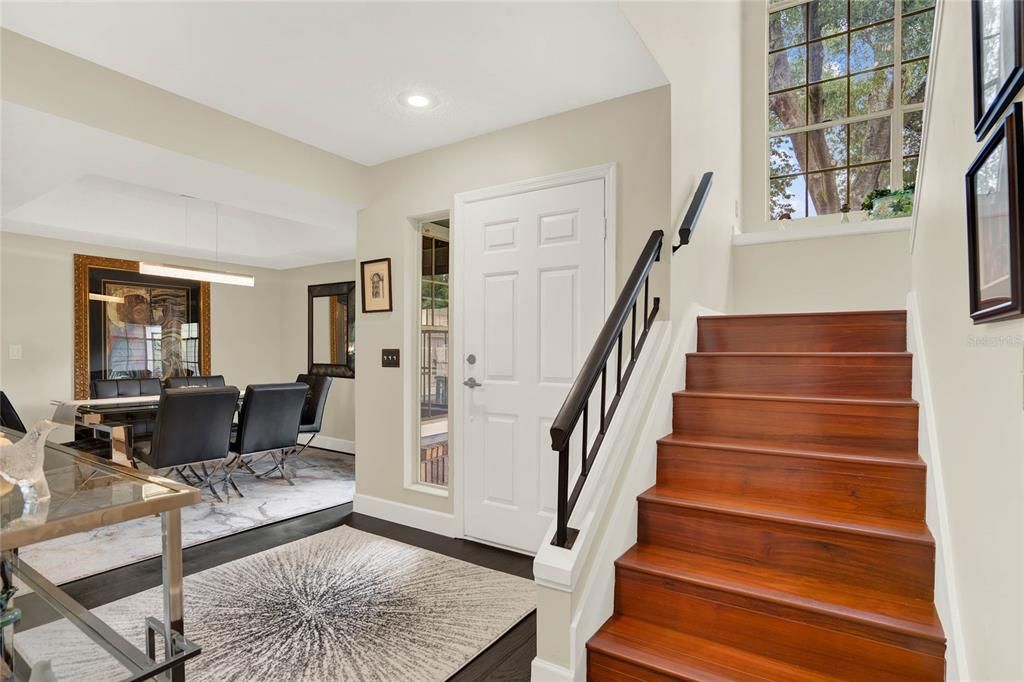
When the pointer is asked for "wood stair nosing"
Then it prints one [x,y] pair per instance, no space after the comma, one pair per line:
[871,488]
[785,634]
[899,558]
[641,650]
[880,616]
[759,446]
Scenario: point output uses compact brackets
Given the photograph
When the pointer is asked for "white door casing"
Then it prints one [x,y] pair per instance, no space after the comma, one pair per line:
[534,278]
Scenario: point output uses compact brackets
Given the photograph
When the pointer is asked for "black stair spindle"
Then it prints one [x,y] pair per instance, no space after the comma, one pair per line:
[576,406]
[586,410]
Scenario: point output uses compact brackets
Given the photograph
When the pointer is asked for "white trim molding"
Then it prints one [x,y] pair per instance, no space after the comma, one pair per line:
[406,514]
[946,601]
[542,671]
[802,232]
[335,444]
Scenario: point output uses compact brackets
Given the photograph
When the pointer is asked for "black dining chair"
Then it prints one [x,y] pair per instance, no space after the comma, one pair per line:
[268,425]
[201,380]
[9,416]
[313,408]
[193,427]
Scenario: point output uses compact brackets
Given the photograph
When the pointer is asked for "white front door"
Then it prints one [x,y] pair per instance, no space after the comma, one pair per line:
[534,292]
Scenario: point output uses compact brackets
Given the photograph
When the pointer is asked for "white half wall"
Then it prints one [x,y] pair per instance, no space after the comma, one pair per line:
[863,272]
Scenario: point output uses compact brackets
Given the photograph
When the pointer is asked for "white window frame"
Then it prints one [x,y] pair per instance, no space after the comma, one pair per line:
[896,112]
[411,376]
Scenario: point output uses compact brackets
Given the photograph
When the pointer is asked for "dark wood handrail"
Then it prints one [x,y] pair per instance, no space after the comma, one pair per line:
[595,368]
[689,223]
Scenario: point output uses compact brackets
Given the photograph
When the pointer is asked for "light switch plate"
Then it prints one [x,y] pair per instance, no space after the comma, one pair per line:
[390,357]
[14,352]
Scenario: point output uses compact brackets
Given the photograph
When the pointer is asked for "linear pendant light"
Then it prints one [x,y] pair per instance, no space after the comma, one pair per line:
[217,276]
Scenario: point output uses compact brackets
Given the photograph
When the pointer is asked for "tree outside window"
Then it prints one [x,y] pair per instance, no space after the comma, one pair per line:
[846,84]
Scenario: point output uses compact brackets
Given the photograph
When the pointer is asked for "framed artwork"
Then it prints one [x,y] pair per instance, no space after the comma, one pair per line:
[376,281]
[332,329]
[130,325]
[994,203]
[997,36]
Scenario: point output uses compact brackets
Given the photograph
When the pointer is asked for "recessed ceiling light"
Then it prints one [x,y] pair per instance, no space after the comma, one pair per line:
[418,101]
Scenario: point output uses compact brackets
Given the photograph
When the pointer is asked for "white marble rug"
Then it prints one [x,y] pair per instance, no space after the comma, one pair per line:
[340,605]
[325,479]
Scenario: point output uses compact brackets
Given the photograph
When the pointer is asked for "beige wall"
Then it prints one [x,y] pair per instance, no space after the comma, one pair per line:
[258,335]
[632,131]
[697,44]
[863,272]
[43,78]
[37,312]
[339,414]
[975,376]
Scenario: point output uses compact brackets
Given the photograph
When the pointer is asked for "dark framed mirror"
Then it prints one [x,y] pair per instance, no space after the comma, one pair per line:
[332,329]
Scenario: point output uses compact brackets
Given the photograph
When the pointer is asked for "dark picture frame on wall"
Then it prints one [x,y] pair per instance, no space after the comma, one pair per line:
[994,204]
[997,41]
[376,285]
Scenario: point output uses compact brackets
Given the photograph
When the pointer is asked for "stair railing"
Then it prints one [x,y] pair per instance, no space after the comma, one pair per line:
[577,404]
[689,223]
[576,407]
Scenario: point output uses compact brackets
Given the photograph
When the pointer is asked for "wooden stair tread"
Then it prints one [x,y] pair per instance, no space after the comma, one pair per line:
[914,617]
[831,520]
[894,313]
[686,657]
[865,456]
[797,354]
[837,400]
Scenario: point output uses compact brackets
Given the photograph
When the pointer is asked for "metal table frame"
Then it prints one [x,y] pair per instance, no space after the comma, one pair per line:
[177,649]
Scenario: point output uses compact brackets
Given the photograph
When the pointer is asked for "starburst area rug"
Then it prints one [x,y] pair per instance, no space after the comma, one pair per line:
[339,605]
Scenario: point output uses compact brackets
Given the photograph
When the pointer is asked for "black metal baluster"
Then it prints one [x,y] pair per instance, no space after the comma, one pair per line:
[618,368]
[647,307]
[632,340]
[562,515]
[586,409]
[604,394]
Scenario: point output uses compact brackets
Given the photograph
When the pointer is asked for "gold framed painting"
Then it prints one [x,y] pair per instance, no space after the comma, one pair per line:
[132,326]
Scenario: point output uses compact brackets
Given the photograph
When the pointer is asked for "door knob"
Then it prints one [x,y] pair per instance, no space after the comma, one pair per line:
[471,382]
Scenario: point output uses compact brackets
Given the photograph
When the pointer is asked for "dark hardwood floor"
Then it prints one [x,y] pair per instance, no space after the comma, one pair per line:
[507,660]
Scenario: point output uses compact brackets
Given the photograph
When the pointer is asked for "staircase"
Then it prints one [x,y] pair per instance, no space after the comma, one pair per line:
[785,537]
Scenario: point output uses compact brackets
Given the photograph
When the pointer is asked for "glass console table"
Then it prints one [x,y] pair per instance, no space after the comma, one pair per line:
[88,492]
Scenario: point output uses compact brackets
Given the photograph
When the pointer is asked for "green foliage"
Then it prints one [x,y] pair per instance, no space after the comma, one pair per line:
[902,205]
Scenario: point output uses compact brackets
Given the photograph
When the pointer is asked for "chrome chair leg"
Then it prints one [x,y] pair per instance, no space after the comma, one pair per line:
[279,465]
[229,469]
[208,481]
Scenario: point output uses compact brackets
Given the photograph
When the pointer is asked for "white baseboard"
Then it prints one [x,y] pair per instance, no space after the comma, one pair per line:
[542,671]
[938,516]
[332,443]
[405,514]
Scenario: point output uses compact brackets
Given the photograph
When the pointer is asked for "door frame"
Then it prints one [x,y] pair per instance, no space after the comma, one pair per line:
[606,172]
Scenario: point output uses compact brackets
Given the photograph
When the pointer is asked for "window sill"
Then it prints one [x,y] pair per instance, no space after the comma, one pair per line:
[802,232]
[435,490]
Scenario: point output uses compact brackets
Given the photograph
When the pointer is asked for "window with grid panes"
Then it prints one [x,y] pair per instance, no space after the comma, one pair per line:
[846,84]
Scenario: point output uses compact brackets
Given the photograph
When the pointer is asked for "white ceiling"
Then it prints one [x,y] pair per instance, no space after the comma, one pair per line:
[65,180]
[331,74]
